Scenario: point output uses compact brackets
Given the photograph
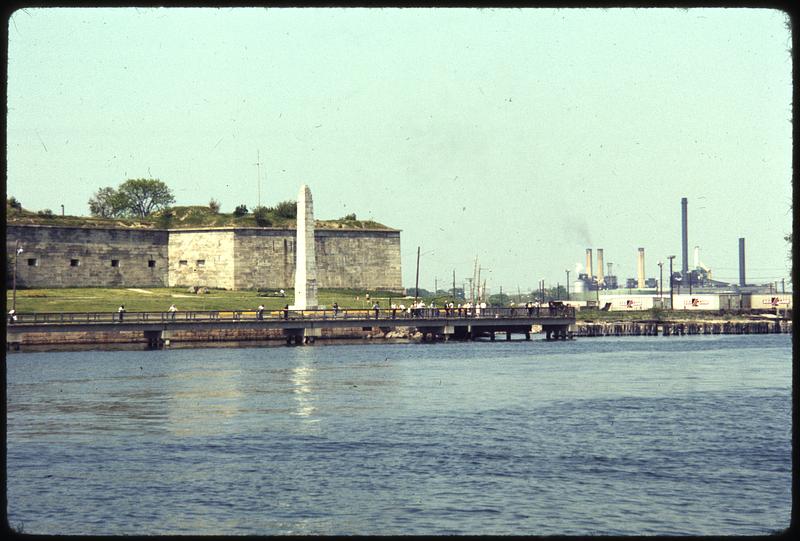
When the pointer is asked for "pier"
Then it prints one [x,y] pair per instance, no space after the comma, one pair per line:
[295,326]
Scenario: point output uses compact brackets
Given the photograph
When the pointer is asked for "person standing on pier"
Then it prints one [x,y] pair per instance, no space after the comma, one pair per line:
[260,311]
[172,311]
[376,308]
[121,312]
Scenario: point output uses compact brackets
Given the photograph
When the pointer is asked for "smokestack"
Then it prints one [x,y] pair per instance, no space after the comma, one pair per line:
[684,237]
[741,262]
[600,276]
[589,262]
[641,268]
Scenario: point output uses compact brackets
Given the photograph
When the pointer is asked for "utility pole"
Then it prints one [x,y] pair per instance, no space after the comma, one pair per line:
[661,279]
[671,305]
[567,284]
[454,285]
[416,283]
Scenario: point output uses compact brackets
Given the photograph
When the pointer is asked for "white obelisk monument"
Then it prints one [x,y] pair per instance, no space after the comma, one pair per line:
[305,275]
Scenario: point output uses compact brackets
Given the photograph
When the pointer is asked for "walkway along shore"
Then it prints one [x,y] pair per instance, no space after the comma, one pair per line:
[167,329]
[241,337]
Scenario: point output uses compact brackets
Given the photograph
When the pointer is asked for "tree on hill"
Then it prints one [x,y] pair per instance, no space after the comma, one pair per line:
[137,198]
[107,203]
[14,203]
[143,196]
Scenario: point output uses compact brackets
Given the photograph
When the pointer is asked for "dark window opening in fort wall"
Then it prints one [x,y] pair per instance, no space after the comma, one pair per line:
[33,262]
[151,263]
[115,262]
[74,262]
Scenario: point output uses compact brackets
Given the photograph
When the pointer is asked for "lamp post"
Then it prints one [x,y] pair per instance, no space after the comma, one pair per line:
[567,284]
[660,279]
[17,250]
[670,257]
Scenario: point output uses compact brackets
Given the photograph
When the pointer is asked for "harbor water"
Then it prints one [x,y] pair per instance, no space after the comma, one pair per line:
[614,436]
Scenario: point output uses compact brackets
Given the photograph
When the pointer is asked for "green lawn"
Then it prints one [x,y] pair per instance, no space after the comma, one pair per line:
[159,299]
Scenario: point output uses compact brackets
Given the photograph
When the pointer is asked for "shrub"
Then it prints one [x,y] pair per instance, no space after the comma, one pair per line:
[240,211]
[214,206]
[14,203]
[286,209]
[261,214]
[349,217]
[165,218]
[46,213]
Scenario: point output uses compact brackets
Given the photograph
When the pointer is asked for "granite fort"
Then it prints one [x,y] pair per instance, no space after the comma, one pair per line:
[218,257]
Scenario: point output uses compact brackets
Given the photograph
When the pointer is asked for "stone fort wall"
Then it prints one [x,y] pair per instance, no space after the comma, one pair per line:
[55,256]
[229,258]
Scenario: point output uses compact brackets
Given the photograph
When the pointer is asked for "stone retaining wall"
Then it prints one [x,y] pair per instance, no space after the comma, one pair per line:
[82,257]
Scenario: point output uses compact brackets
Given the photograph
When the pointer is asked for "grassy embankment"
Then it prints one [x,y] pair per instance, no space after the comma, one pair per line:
[159,299]
[182,217]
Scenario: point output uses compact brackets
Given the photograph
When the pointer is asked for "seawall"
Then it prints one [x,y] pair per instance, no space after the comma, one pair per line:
[680,328]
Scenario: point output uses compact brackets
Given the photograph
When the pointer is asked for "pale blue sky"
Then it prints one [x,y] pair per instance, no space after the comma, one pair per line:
[522,136]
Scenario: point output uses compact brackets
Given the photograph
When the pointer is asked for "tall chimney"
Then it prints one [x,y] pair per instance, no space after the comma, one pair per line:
[684,237]
[741,262]
[589,262]
[641,268]
[600,277]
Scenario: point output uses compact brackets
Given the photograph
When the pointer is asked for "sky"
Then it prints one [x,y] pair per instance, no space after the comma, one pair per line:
[520,137]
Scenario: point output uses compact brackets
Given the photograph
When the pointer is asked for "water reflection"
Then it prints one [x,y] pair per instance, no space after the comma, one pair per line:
[203,402]
[302,376]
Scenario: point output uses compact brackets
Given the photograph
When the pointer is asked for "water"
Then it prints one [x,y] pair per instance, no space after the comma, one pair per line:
[612,436]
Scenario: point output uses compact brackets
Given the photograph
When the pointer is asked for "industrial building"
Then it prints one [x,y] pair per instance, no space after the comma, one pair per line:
[695,281]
